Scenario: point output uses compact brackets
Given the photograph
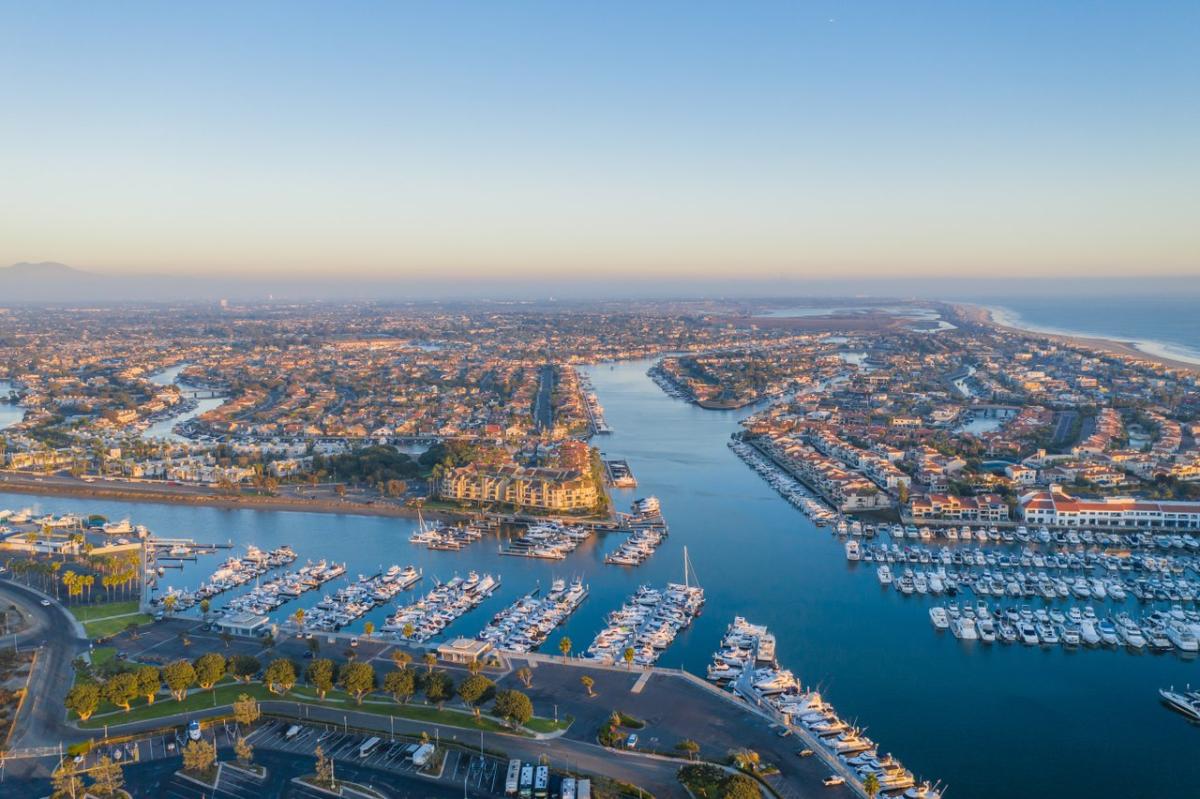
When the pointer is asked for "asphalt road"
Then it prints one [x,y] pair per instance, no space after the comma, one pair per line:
[543,408]
[53,632]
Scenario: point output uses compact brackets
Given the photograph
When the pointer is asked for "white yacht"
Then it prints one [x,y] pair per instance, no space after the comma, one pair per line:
[1184,703]
[937,615]
[964,629]
[884,573]
[853,550]
[1182,637]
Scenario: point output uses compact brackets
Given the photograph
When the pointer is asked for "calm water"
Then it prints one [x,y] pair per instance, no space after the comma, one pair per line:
[1163,325]
[9,413]
[164,428]
[992,721]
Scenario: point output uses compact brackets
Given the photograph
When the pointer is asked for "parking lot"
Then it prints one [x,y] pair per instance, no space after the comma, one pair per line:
[482,774]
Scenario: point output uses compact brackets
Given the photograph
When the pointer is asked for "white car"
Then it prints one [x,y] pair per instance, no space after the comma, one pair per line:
[45,603]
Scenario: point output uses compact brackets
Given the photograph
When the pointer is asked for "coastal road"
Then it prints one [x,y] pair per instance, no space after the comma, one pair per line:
[55,634]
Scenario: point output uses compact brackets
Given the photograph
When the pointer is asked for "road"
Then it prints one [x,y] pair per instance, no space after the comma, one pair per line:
[53,631]
[543,405]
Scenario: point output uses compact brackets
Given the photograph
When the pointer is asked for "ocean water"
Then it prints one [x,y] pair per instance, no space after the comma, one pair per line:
[993,721]
[1160,325]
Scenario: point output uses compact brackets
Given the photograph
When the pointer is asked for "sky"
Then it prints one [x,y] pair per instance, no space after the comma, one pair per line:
[625,141]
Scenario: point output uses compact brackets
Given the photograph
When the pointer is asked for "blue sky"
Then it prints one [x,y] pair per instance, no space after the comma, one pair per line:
[633,139]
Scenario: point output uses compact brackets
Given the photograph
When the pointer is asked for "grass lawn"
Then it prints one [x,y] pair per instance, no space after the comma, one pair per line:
[102,655]
[165,706]
[227,693]
[106,627]
[536,724]
[90,612]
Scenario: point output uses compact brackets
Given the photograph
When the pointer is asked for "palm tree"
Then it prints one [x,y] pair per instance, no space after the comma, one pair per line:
[430,660]
[871,785]
[564,646]
[588,682]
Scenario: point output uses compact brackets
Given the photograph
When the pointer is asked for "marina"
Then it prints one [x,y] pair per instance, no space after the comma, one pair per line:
[647,531]
[791,489]
[833,621]
[547,540]
[432,613]
[640,630]
[746,664]
[524,625]
[354,601]
[268,596]
[232,573]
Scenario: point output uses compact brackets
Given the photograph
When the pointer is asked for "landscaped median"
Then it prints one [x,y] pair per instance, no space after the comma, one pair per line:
[225,694]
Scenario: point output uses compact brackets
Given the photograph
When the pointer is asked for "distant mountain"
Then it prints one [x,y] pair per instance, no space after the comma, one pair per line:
[47,282]
[42,268]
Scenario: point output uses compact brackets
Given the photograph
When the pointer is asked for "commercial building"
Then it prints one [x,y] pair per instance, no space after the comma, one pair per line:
[1058,508]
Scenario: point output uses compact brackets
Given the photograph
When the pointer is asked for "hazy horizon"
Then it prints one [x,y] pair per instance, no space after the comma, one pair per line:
[623,143]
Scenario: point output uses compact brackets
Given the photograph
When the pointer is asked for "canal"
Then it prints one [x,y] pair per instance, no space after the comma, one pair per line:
[991,721]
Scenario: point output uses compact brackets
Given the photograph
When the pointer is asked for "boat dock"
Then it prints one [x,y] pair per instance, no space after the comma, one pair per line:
[618,474]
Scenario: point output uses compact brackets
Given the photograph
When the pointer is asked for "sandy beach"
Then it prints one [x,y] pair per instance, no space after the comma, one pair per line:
[977,314]
[187,495]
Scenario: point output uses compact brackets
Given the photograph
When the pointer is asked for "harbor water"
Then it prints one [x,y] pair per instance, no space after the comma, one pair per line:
[991,721]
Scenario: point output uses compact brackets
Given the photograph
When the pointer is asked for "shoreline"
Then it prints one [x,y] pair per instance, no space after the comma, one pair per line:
[982,315]
[154,495]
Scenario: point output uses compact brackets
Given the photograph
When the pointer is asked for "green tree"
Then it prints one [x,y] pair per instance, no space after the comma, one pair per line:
[739,786]
[400,658]
[245,710]
[243,750]
[210,668]
[149,680]
[320,675]
[244,667]
[525,675]
[474,689]
[324,769]
[198,757]
[107,777]
[689,748]
[280,676]
[83,699]
[871,785]
[628,656]
[514,707]
[179,676]
[564,646]
[65,782]
[438,687]
[430,661]
[401,684]
[358,679]
[120,689]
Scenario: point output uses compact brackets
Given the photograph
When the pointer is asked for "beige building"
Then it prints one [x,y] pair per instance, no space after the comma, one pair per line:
[548,489]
